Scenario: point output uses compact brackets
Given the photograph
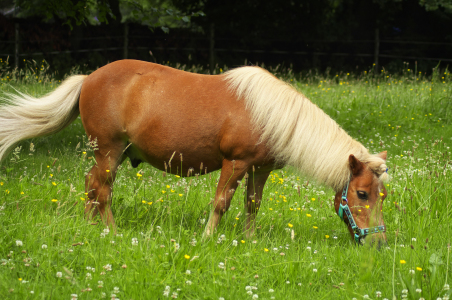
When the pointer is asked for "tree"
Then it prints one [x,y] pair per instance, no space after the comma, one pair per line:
[154,13]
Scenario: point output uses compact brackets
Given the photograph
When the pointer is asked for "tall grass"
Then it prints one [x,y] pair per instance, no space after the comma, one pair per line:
[301,248]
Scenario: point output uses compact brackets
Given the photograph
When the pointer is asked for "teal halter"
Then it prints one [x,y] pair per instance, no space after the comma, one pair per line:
[359,233]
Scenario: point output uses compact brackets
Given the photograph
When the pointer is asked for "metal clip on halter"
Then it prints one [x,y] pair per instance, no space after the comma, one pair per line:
[359,233]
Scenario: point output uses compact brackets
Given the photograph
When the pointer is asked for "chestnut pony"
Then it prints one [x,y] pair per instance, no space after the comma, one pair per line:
[245,120]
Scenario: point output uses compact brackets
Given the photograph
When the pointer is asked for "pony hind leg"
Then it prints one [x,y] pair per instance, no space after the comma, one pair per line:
[99,181]
[253,197]
[231,173]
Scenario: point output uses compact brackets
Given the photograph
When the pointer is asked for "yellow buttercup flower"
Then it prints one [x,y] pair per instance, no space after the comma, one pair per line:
[402,261]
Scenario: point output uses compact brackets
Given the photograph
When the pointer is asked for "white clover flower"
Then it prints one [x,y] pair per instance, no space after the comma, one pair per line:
[221,265]
[314,270]
[89,276]
[255,296]
[247,288]
[249,292]
[174,295]
[134,241]
[271,290]
[19,243]
[106,231]
[116,289]
[446,287]
[59,274]
[188,282]
[234,243]
[44,246]
[166,291]
[366,297]
[378,294]
[188,272]
[107,267]
[418,290]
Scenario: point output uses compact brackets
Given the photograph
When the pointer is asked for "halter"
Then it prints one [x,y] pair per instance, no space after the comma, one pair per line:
[359,232]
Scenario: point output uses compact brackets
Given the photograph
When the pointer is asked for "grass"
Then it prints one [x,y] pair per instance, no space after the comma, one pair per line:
[301,248]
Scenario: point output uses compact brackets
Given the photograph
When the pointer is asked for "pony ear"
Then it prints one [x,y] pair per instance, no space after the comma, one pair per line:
[383,155]
[355,165]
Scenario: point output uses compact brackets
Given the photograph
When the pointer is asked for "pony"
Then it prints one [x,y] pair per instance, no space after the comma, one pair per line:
[243,121]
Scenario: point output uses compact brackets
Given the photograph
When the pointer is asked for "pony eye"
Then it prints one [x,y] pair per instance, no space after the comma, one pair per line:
[362,195]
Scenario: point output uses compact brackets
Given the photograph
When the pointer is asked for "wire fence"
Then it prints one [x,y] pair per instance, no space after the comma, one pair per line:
[136,46]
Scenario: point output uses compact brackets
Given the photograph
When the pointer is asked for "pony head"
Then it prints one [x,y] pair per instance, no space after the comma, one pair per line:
[362,199]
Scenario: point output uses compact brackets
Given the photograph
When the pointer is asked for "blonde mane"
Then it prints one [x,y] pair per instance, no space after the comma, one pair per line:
[297,132]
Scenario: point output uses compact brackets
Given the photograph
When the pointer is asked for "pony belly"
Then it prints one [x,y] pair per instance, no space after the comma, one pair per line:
[182,162]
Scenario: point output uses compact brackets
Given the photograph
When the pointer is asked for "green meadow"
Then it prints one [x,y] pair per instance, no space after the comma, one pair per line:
[301,249]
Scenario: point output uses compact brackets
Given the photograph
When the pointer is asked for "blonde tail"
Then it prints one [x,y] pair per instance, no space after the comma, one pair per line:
[23,117]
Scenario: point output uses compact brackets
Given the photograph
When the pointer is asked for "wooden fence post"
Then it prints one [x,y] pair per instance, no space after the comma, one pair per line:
[377,50]
[212,48]
[126,40]
[16,44]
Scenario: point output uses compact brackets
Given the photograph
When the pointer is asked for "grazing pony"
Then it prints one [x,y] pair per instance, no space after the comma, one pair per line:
[245,120]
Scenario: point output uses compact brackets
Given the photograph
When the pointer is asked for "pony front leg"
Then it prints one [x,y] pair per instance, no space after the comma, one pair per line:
[231,172]
[255,187]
